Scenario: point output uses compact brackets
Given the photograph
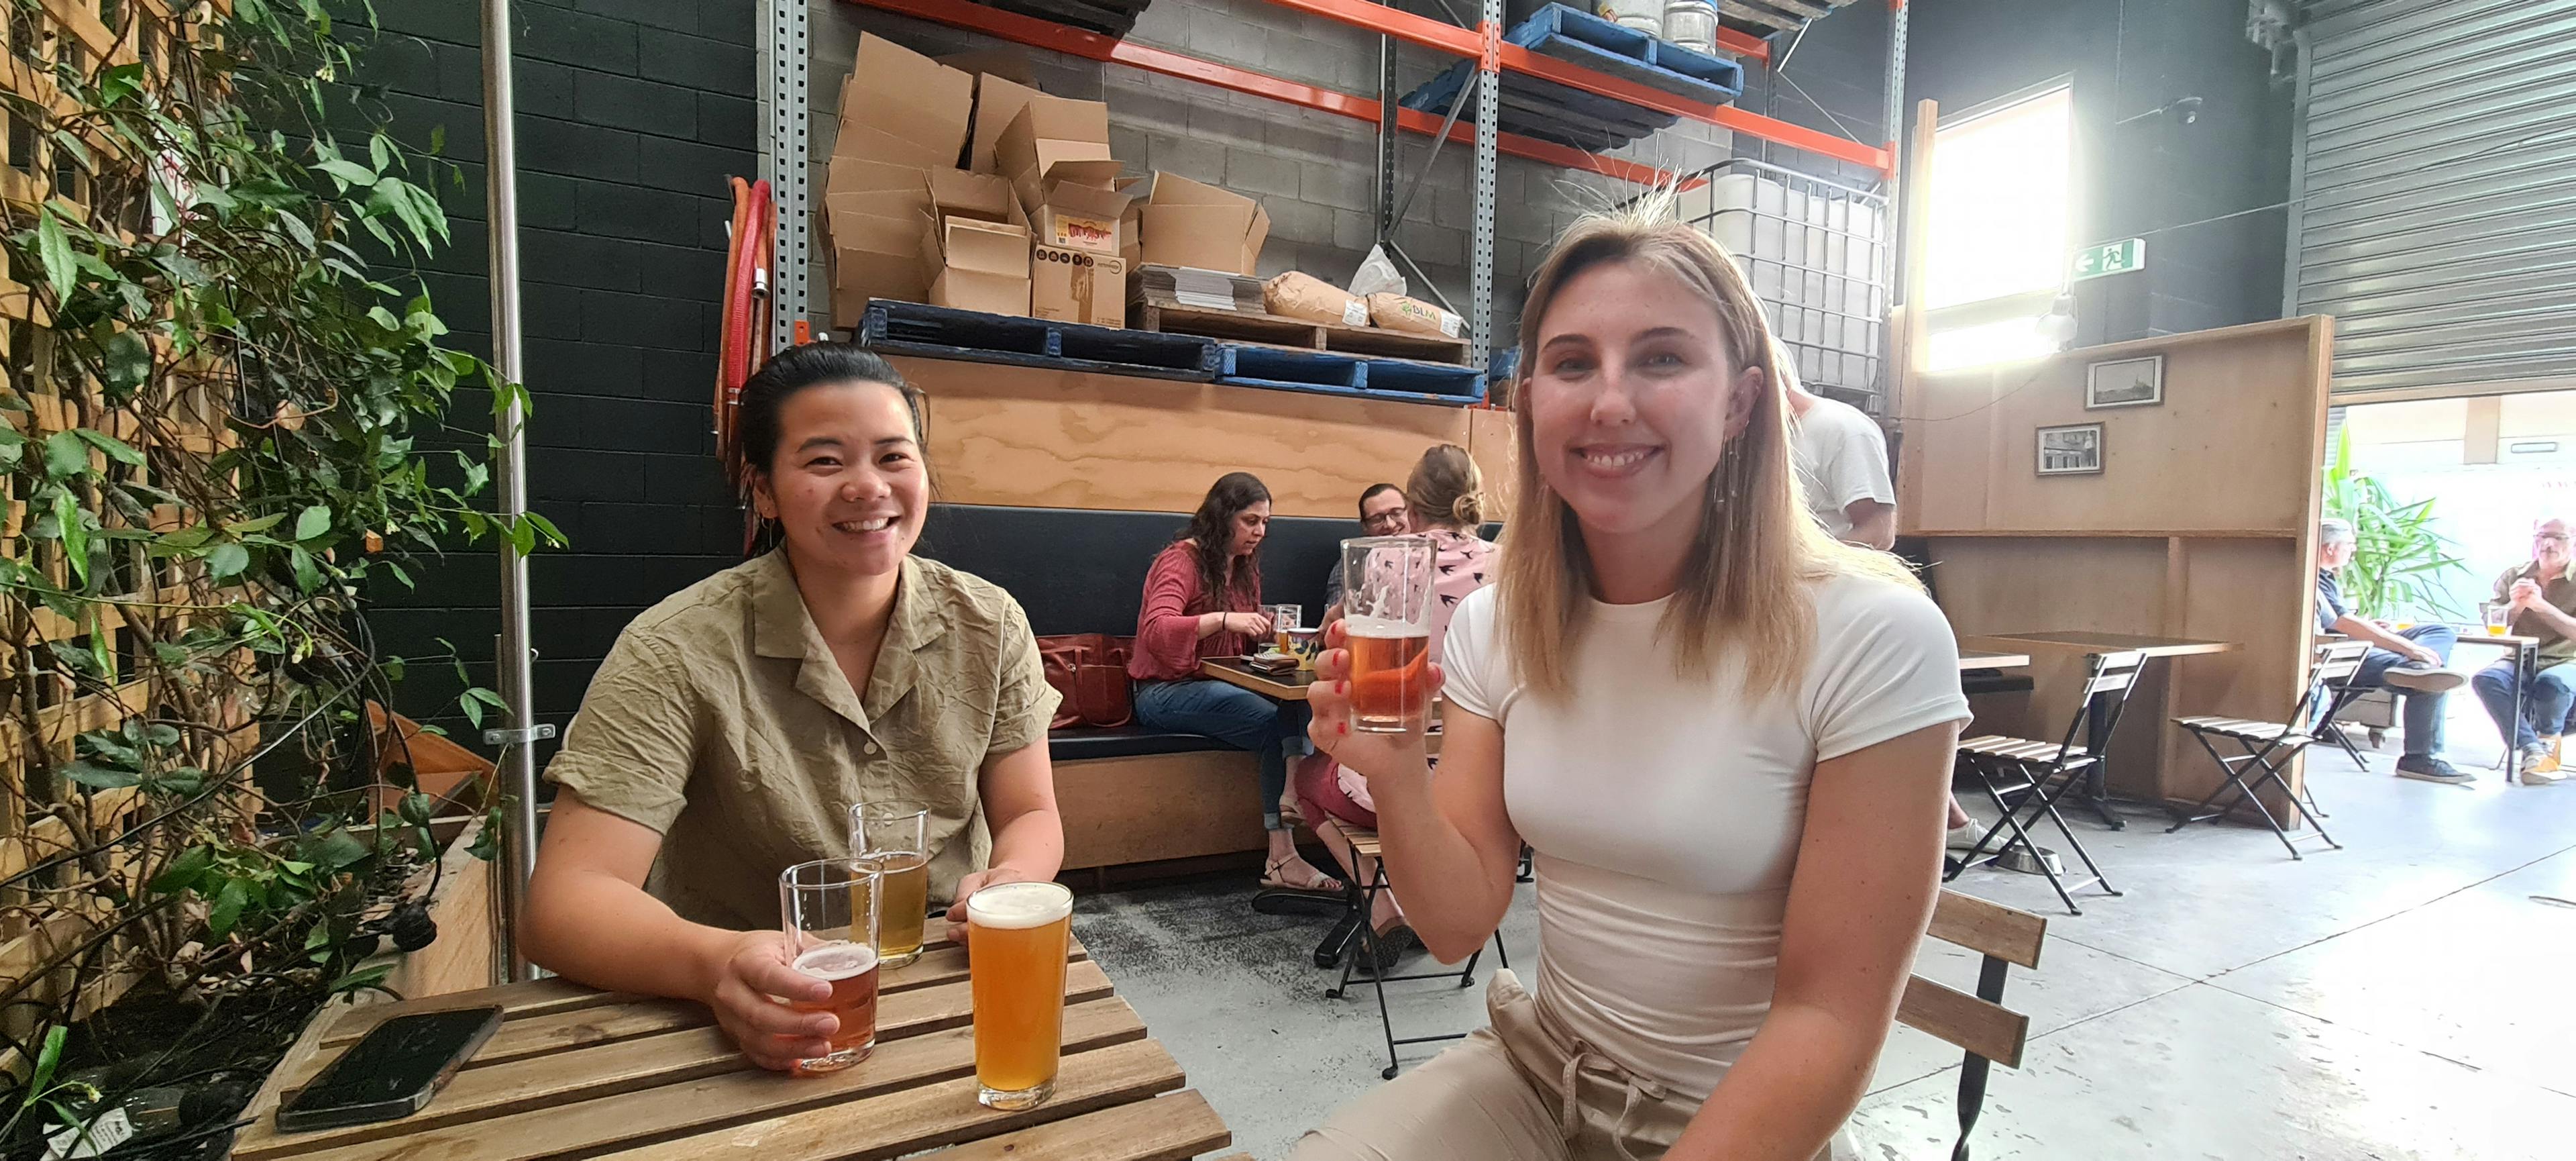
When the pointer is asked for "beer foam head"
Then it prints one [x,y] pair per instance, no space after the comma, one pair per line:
[1384,627]
[836,961]
[1008,905]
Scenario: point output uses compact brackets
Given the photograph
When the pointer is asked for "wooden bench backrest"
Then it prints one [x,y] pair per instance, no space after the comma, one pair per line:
[1990,929]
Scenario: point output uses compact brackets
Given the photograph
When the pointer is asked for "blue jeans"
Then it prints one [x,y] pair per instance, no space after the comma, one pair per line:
[2548,700]
[2423,712]
[1235,716]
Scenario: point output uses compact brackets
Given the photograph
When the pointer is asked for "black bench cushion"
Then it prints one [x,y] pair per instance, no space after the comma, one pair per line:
[1128,741]
[1078,571]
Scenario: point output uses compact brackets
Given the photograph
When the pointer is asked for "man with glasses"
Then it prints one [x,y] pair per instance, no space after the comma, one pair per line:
[2414,661]
[2540,595]
[1382,513]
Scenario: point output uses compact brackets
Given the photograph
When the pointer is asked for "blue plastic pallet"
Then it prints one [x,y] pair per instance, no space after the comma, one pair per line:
[1325,373]
[1544,109]
[936,332]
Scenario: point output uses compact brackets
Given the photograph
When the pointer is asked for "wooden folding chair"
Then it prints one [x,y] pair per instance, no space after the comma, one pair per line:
[2025,779]
[2268,747]
[1980,1024]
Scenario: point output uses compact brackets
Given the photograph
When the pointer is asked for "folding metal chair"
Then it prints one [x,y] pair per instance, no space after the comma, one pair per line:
[2026,778]
[2269,746]
[2333,731]
[1363,902]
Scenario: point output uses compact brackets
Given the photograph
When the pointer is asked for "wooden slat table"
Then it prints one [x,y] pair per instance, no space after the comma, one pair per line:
[579,1072]
[1275,686]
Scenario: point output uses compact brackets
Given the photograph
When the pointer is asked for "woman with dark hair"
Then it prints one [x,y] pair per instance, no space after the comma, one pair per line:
[1203,599]
[733,725]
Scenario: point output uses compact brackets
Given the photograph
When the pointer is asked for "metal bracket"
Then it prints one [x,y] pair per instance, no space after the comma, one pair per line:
[539,732]
[786,155]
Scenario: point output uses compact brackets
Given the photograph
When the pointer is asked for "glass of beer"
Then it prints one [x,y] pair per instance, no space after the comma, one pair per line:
[895,836]
[2499,617]
[1386,613]
[827,910]
[1284,620]
[1016,941]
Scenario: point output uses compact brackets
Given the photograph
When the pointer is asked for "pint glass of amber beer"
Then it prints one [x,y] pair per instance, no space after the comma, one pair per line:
[1015,948]
[1386,614]
[896,834]
[827,909]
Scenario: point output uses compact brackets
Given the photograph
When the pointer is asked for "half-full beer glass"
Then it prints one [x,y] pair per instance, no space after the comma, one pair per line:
[896,833]
[827,910]
[1015,949]
[1386,614]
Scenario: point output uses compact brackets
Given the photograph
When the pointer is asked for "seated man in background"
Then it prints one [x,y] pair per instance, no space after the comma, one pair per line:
[2413,661]
[1382,513]
[1841,460]
[2542,596]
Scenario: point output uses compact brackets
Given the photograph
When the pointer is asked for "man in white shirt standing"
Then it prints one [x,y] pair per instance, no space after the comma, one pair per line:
[1841,457]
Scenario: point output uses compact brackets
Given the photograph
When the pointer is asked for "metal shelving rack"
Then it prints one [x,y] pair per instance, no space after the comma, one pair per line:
[787,108]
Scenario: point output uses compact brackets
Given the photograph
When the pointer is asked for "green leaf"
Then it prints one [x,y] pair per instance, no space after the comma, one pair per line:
[346,173]
[54,250]
[75,535]
[100,777]
[66,455]
[546,528]
[184,871]
[227,561]
[115,448]
[365,977]
[315,521]
[262,524]
[380,151]
[51,1057]
[228,907]
[308,576]
[336,850]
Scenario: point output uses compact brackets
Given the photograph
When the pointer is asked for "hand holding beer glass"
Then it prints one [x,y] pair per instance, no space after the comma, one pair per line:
[827,909]
[1386,618]
[894,836]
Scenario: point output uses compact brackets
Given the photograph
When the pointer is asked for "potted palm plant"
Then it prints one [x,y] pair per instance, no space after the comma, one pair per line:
[2401,566]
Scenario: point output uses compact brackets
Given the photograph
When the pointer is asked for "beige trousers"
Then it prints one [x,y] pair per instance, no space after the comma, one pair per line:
[1519,1089]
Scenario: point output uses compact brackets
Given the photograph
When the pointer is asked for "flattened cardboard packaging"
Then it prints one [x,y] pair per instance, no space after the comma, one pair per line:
[1187,223]
[1074,286]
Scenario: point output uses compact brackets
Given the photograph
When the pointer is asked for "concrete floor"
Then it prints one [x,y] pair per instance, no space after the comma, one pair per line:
[2405,997]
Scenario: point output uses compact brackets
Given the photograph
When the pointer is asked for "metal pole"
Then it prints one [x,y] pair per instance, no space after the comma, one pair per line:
[1894,126]
[1383,196]
[1480,240]
[518,766]
[786,154]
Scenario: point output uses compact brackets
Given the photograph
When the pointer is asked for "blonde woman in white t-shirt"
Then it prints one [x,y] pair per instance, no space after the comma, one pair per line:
[1726,737]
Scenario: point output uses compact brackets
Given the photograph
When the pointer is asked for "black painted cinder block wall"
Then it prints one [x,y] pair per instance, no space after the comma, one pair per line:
[2207,196]
[631,115]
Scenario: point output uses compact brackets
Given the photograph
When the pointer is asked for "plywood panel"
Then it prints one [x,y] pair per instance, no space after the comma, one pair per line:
[1491,441]
[2006,585]
[2255,593]
[1060,439]
[2226,451]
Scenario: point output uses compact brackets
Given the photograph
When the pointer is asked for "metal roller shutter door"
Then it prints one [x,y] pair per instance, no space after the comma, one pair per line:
[2438,217]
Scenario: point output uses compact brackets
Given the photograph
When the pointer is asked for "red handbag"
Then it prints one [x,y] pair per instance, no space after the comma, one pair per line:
[1090,671]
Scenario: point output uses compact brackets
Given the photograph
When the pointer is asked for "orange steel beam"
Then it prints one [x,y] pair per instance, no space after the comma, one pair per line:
[1466,42]
[1072,41]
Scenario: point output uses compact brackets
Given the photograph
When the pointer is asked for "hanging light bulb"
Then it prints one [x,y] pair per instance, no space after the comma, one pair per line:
[2057,327]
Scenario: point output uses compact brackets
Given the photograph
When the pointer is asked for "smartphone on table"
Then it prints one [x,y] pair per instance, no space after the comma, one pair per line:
[391,1072]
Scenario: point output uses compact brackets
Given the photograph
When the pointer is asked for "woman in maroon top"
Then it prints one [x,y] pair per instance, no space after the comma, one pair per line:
[1203,599]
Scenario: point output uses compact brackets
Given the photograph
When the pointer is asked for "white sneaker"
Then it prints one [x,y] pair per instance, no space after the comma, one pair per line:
[2539,766]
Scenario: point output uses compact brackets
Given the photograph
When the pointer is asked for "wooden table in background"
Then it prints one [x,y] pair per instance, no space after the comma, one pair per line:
[2118,642]
[1980,659]
[1290,686]
[579,1072]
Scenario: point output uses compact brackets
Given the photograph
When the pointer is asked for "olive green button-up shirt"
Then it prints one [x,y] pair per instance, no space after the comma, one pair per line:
[2560,592]
[721,720]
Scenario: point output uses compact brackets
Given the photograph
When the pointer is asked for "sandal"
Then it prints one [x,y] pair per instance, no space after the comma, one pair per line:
[1321,884]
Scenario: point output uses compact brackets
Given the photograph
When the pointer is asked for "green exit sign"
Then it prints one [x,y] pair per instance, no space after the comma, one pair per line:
[2111,258]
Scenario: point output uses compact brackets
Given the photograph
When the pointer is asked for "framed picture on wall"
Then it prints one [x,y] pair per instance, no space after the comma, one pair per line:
[2125,383]
[2072,450]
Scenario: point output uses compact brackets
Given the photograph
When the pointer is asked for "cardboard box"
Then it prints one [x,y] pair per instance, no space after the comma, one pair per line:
[873,254]
[998,101]
[860,142]
[1049,132]
[1075,286]
[1303,296]
[1131,225]
[1075,209]
[1187,223]
[896,94]
[977,265]
[1010,64]
[984,198]
[1395,312]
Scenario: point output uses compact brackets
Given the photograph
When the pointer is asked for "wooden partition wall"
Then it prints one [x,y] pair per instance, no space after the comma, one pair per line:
[2201,524]
[1069,439]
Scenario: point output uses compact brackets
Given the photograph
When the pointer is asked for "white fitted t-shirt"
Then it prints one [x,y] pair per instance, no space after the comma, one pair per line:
[1841,457]
[1665,814]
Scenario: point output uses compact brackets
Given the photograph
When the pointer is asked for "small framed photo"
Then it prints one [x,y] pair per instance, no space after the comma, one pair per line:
[2125,383]
[2072,450]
